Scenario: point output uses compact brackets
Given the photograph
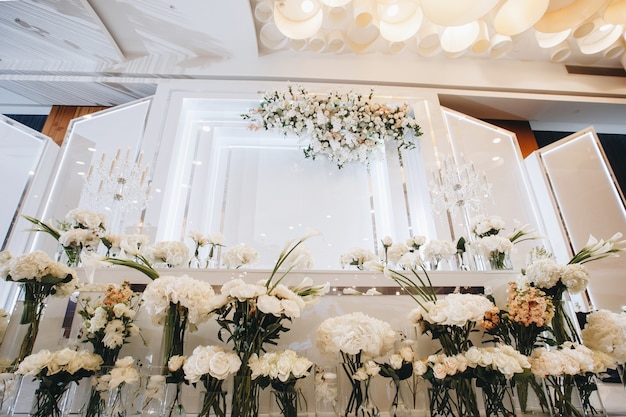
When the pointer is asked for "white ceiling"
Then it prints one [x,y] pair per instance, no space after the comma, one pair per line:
[109,52]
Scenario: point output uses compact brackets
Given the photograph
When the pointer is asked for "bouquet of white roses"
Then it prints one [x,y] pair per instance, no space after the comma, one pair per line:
[211,365]
[55,372]
[357,257]
[281,369]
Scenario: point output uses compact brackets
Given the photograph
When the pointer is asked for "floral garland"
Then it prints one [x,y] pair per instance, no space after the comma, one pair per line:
[344,127]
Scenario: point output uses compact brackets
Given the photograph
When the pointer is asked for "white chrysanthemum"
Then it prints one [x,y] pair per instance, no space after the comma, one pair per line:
[239,255]
[457,309]
[173,253]
[354,333]
[86,219]
[605,331]
[190,293]
[544,273]
[575,277]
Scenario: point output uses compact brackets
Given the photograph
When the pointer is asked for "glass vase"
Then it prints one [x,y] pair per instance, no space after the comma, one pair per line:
[53,398]
[69,255]
[245,401]
[368,407]
[408,397]
[21,334]
[287,400]
[326,391]
[563,398]
[498,398]
[590,398]
[9,389]
[531,395]
[153,392]
[453,396]
[350,391]
[173,400]
[116,402]
[212,403]
[174,331]
[500,261]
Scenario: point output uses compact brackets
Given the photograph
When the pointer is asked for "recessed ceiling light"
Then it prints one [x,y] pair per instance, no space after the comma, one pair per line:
[206,128]
[495,158]
[497,140]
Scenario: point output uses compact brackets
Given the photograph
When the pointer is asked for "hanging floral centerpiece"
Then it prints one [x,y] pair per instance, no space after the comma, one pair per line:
[343,127]
[251,316]
[40,277]
[178,303]
[357,337]
[211,365]
[282,370]
[56,371]
[107,324]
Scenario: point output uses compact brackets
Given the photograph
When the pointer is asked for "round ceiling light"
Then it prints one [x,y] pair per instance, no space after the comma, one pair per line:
[569,16]
[296,23]
[456,12]
[401,30]
[455,39]
[516,16]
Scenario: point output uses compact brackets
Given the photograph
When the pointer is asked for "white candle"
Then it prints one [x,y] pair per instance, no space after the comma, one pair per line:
[90,172]
[127,156]
[139,159]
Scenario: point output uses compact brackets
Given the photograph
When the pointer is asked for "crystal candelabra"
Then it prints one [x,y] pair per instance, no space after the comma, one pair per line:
[118,187]
[459,186]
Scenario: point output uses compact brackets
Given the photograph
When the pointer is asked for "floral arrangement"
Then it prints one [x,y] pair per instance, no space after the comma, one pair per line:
[109,387]
[435,251]
[82,229]
[399,367]
[213,240]
[483,226]
[110,321]
[325,389]
[239,255]
[357,257]
[172,254]
[252,315]
[281,369]
[177,303]
[211,365]
[356,336]
[496,249]
[605,331]
[451,319]
[40,278]
[55,372]
[344,127]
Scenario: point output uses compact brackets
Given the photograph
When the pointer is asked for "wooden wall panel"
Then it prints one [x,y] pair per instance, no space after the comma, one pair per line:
[59,119]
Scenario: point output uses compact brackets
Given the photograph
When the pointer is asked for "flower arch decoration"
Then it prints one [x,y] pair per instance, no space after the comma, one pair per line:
[344,127]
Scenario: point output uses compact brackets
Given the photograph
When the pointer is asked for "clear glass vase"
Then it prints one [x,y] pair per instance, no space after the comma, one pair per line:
[173,400]
[245,400]
[500,261]
[53,399]
[152,392]
[326,391]
[498,398]
[287,400]
[368,407]
[590,398]
[563,397]
[408,397]
[21,334]
[9,389]
[531,395]
[212,403]
[453,396]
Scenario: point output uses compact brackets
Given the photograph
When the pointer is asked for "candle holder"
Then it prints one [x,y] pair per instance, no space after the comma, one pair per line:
[119,186]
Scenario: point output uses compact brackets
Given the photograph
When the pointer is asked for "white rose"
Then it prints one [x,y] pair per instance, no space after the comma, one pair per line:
[269,304]
[223,364]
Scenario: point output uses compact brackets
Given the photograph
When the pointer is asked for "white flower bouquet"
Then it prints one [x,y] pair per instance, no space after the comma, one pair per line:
[211,365]
[179,304]
[483,226]
[282,370]
[239,255]
[40,278]
[356,336]
[435,251]
[357,257]
[344,127]
[605,331]
[172,254]
[55,372]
